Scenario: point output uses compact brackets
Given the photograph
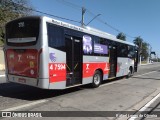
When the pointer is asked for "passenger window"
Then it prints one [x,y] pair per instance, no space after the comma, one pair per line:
[56,37]
[131,52]
[122,50]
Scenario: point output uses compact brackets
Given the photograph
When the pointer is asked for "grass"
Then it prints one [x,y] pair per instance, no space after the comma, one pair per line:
[144,62]
[1,43]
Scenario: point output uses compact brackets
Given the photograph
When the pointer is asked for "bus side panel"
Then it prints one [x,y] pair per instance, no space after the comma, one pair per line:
[122,66]
[57,69]
[43,81]
[91,64]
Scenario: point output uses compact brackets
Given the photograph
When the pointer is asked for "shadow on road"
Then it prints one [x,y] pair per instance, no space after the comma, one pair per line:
[13,90]
[24,92]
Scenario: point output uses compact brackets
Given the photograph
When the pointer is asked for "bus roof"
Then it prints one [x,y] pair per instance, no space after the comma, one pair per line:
[85,29]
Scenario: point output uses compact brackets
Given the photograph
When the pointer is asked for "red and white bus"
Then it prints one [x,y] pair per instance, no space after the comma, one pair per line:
[51,54]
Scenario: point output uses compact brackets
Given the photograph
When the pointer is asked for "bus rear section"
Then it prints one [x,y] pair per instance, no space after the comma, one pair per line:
[21,52]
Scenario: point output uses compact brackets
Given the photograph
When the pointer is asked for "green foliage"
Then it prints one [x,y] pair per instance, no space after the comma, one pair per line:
[9,10]
[1,43]
[121,36]
[138,41]
[143,47]
[145,53]
[155,59]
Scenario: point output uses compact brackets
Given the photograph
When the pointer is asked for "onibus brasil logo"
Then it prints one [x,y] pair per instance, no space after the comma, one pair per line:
[52,57]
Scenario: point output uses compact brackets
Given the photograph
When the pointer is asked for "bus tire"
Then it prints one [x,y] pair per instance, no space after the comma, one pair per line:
[129,72]
[97,79]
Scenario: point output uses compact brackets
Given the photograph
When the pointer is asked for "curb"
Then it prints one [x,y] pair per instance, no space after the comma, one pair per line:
[140,105]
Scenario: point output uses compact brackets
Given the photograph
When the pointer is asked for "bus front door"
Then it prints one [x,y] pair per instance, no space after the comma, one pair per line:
[112,61]
[73,60]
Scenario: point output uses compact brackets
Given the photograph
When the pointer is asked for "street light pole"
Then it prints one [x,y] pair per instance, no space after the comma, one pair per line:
[93,19]
[140,50]
[149,53]
[82,21]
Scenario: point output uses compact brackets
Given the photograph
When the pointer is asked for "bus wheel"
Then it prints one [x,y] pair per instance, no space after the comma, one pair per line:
[129,73]
[97,78]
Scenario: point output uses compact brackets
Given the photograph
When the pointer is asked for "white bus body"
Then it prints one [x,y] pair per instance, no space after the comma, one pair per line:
[51,54]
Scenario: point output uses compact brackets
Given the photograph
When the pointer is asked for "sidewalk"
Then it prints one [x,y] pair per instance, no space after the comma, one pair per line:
[146,64]
[2,72]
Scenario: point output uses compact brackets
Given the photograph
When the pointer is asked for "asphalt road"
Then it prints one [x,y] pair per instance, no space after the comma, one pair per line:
[117,95]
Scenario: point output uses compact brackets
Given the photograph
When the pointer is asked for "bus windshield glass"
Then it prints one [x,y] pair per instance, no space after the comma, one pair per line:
[22,32]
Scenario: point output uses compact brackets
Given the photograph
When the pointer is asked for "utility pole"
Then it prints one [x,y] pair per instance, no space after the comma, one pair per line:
[83,12]
[140,49]
[149,53]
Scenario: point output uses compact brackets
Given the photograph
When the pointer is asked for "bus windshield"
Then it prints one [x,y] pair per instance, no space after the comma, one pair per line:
[22,32]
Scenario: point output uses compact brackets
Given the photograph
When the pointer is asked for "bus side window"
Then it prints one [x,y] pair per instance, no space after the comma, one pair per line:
[131,51]
[55,37]
[122,50]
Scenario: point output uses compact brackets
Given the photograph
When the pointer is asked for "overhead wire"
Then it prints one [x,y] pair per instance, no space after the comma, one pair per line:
[70,4]
[93,15]
[75,7]
[55,16]
[44,12]
[105,23]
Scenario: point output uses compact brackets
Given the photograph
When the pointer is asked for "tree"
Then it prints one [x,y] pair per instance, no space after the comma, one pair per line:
[143,47]
[12,9]
[138,41]
[121,36]
[145,50]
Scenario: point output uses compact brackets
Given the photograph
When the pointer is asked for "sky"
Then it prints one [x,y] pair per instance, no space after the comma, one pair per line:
[132,17]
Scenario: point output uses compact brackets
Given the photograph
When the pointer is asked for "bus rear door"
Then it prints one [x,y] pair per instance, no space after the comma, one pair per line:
[73,60]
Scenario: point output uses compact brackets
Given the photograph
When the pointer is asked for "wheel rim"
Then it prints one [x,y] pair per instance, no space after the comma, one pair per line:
[96,79]
[129,74]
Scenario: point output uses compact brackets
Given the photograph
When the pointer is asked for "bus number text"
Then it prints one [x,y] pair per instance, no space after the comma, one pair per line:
[57,67]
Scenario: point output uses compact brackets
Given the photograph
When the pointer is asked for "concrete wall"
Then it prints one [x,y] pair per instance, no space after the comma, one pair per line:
[2,64]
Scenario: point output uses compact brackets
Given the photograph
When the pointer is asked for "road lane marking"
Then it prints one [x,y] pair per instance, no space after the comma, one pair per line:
[25,105]
[150,102]
[146,106]
[2,75]
[44,100]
